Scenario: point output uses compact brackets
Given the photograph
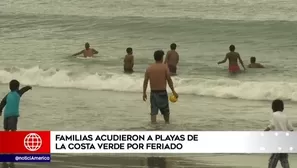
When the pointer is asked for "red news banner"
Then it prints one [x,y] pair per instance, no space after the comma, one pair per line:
[25,142]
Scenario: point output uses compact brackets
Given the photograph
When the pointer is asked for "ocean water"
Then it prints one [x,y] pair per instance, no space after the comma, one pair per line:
[69,93]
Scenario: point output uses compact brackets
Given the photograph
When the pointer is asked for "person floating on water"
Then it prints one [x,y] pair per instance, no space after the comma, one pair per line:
[279,122]
[129,61]
[11,102]
[233,58]
[172,59]
[253,63]
[87,52]
[158,74]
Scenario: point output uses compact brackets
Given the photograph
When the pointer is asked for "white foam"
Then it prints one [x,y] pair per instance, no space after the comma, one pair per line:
[223,88]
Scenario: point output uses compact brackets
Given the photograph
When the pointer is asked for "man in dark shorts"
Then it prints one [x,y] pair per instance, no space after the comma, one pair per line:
[158,75]
[172,59]
[11,102]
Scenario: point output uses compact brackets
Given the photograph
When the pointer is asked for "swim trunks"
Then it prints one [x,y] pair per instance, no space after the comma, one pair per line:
[10,123]
[234,68]
[172,68]
[159,101]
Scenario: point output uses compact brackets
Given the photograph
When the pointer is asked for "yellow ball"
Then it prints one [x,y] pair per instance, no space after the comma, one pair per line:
[172,98]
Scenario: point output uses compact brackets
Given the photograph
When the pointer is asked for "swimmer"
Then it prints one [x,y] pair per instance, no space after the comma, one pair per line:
[87,52]
[253,63]
[233,58]
[172,59]
[129,61]
[158,74]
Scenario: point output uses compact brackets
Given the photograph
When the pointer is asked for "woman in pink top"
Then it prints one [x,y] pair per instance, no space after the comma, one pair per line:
[87,52]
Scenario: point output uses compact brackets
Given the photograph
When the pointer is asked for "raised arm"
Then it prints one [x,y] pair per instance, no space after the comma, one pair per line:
[224,60]
[2,104]
[24,90]
[241,62]
[76,54]
[95,51]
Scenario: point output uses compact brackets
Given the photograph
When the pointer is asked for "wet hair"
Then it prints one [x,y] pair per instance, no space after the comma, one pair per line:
[173,46]
[253,59]
[277,105]
[158,55]
[14,85]
[87,45]
[129,50]
[232,47]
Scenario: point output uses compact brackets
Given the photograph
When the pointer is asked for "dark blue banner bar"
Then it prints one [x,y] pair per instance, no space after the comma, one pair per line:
[25,158]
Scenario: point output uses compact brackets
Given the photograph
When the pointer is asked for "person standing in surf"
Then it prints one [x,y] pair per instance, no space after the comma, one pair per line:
[87,52]
[279,122]
[129,61]
[233,58]
[172,59]
[158,75]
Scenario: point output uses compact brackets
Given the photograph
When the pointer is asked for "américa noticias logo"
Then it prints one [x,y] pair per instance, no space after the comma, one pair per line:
[32,142]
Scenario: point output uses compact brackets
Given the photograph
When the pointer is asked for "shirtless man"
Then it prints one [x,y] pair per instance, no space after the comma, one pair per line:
[158,75]
[253,63]
[87,52]
[233,58]
[172,58]
[129,61]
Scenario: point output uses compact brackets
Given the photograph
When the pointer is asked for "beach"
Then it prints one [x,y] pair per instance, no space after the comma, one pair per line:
[38,38]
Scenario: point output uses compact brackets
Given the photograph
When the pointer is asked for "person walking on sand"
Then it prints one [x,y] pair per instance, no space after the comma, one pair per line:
[158,75]
[233,58]
[87,52]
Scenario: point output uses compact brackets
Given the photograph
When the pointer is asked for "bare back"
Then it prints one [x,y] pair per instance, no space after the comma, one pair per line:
[255,65]
[157,74]
[88,52]
[172,57]
[129,62]
[233,58]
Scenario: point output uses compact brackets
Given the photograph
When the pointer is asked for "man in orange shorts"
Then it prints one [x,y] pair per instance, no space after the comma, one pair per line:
[233,58]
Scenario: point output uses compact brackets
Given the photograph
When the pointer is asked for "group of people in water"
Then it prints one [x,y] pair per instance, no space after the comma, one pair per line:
[159,74]
[172,59]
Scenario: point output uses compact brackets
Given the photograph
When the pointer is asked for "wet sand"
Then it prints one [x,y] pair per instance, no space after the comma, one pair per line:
[63,161]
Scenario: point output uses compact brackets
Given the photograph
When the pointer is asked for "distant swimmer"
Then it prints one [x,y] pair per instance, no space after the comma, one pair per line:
[158,75]
[129,61]
[172,59]
[253,63]
[233,58]
[87,52]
